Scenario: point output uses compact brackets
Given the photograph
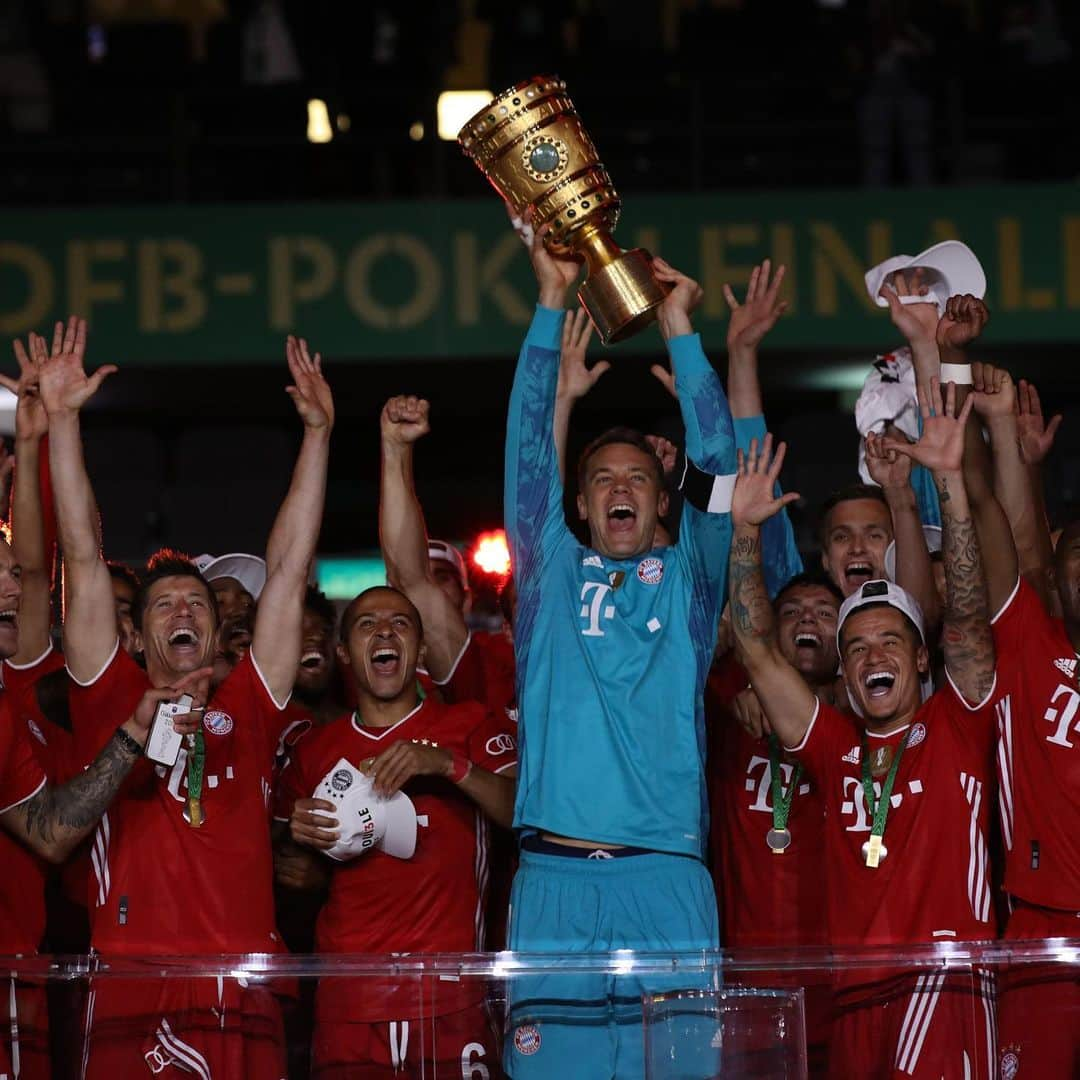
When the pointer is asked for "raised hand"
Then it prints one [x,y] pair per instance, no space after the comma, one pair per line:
[1036,436]
[963,321]
[65,386]
[888,469]
[917,322]
[554,274]
[674,313]
[666,451]
[404,420]
[757,315]
[993,391]
[576,379]
[31,419]
[310,391]
[941,447]
[753,501]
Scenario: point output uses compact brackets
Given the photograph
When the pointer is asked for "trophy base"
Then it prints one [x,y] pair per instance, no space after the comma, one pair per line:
[621,297]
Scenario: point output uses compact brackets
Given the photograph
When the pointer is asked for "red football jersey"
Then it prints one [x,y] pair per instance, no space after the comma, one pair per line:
[934,883]
[160,885]
[766,899]
[53,745]
[484,672]
[22,900]
[1038,753]
[432,902]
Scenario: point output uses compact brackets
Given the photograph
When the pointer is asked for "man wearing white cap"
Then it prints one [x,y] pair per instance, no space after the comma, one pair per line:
[906,785]
[356,789]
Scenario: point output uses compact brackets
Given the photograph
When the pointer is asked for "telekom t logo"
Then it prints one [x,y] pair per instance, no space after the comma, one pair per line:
[761,786]
[592,606]
[1063,717]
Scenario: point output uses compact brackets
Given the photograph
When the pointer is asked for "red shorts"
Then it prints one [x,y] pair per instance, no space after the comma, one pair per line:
[1039,1004]
[937,1025]
[142,1027]
[455,1046]
[24,1031]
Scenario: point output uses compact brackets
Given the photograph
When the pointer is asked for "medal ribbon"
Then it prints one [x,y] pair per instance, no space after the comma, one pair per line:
[879,808]
[195,764]
[781,803]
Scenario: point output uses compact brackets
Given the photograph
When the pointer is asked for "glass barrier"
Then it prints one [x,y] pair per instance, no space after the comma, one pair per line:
[955,1009]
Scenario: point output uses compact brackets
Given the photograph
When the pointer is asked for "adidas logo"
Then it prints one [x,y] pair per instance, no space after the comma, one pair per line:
[853,756]
[1067,666]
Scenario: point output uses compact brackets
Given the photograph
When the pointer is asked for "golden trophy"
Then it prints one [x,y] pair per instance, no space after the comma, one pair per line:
[530,143]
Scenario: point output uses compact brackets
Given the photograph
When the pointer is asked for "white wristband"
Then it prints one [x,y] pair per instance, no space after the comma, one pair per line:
[956,373]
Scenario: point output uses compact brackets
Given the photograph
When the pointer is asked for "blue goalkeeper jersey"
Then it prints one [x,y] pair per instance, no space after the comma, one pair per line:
[612,654]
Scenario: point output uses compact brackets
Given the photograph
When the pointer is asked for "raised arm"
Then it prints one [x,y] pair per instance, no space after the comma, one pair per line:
[404,540]
[31,551]
[532,486]
[54,820]
[914,572]
[788,701]
[90,634]
[705,529]
[289,551]
[576,378]
[966,637]
[1034,548]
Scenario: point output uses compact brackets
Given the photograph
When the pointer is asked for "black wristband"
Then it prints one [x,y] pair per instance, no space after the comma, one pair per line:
[704,491]
[128,743]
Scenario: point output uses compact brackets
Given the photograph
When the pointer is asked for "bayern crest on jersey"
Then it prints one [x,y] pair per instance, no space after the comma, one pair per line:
[218,722]
[1010,1064]
[918,734]
[651,571]
[527,1039]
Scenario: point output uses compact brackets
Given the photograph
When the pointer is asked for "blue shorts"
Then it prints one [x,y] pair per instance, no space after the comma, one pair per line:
[586,1025]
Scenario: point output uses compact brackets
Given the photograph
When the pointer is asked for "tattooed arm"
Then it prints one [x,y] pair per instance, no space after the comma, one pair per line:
[966,637]
[53,820]
[788,702]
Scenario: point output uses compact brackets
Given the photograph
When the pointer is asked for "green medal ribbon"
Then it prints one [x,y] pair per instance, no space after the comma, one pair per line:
[874,849]
[196,763]
[781,803]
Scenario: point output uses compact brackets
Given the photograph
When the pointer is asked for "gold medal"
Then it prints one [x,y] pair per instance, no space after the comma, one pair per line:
[874,851]
[193,814]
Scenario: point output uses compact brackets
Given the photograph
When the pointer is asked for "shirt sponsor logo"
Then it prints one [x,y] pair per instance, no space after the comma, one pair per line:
[650,571]
[918,734]
[341,780]
[1067,666]
[499,744]
[218,723]
[527,1039]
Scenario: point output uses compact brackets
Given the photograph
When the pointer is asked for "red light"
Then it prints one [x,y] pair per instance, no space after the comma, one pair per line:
[492,554]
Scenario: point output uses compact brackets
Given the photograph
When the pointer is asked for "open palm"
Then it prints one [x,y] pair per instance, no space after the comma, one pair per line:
[65,385]
[753,500]
[941,446]
[310,391]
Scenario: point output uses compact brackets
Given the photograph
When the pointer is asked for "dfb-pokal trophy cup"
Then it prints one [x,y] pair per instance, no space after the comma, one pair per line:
[530,143]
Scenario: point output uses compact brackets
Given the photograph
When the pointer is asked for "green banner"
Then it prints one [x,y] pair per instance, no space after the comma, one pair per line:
[213,284]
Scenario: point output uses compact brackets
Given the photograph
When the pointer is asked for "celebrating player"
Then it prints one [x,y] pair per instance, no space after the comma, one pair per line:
[613,643]
[183,859]
[906,779]
[455,765]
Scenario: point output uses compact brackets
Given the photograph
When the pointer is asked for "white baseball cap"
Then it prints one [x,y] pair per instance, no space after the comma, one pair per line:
[366,819]
[881,592]
[933,544]
[954,269]
[249,570]
[444,552]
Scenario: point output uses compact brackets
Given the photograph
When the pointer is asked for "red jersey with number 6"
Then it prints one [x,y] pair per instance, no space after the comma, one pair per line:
[432,902]
[161,886]
[1038,719]
[934,882]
